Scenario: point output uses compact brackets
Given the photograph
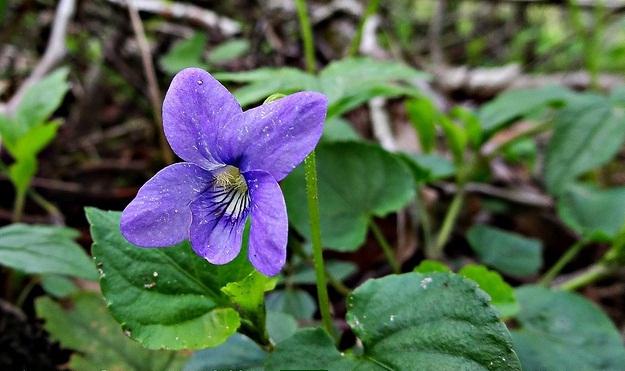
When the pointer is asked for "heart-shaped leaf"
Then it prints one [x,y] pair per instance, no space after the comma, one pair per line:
[168,297]
[357,181]
[565,331]
[409,322]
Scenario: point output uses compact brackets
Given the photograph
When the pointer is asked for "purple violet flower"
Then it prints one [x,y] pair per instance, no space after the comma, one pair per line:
[234,161]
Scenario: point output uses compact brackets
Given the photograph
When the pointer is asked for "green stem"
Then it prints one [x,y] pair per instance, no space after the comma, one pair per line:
[18,205]
[372,8]
[24,293]
[436,251]
[424,219]
[307,35]
[565,259]
[594,273]
[335,283]
[48,206]
[386,247]
[312,195]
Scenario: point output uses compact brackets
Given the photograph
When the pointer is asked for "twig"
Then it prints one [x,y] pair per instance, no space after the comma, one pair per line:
[614,5]
[372,8]
[488,82]
[435,31]
[55,51]
[381,124]
[515,195]
[150,74]
[207,18]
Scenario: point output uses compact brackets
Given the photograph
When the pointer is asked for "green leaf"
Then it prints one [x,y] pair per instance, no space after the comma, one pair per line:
[457,139]
[564,331]
[501,294]
[311,349]
[586,135]
[98,344]
[429,167]
[423,116]
[248,293]
[338,129]
[514,104]
[438,322]
[357,181]
[353,76]
[237,353]
[191,312]
[358,97]
[263,82]
[280,326]
[34,140]
[339,270]
[248,296]
[297,303]
[58,286]
[38,249]
[229,50]
[21,172]
[597,214]
[186,53]
[41,99]
[431,266]
[471,124]
[9,131]
[508,252]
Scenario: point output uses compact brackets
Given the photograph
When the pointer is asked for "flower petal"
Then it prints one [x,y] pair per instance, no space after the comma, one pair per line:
[269,225]
[215,235]
[276,136]
[195,108]
[159,215]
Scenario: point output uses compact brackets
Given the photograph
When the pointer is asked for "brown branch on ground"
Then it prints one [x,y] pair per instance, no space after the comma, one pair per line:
[207,18]
[55,52]
[488,82]
[150,74]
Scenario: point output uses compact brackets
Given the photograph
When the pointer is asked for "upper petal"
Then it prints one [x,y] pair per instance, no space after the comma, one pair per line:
[195,108]
[269,225]
[276,136]
[160,215]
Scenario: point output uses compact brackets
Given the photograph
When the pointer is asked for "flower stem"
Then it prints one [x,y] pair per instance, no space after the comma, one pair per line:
[372,8]
[593,273]
[569,255]
[386,247]
[312,194]
[436,251]
[307,35]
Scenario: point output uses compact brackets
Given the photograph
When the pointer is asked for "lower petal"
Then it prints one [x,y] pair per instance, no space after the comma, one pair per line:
[216,235]
[269,225]
[159,215]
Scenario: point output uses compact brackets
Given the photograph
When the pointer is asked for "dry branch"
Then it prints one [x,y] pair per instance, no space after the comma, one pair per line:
[487,82]
[55,52]
[207,18]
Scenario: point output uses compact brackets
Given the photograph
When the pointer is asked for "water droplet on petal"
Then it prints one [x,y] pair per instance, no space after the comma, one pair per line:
[200,82]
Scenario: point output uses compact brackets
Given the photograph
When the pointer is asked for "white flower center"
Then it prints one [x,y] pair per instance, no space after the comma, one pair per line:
[230,191]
